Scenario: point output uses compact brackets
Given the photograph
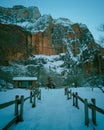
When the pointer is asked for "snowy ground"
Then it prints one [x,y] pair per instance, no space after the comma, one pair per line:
[53,112]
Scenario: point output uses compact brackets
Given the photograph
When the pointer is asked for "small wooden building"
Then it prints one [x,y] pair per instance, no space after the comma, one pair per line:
[24,82]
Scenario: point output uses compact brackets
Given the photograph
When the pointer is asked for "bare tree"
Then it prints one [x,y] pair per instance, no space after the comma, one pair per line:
[101,29]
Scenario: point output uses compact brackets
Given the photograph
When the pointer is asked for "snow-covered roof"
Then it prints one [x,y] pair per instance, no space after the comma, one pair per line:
[24,78]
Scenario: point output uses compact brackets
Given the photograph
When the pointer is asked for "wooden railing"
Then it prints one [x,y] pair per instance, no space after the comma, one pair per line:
[87,106]
[18,113]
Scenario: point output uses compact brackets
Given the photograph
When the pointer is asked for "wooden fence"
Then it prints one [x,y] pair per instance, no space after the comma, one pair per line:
[87,106]
[18,113]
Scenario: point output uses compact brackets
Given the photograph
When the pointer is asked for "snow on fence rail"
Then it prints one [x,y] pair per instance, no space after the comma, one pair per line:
[87,105]
[20,101]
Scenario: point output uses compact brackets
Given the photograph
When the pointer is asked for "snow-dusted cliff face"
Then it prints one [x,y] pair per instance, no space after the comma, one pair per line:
[45,35]
[19,13]
[50,36]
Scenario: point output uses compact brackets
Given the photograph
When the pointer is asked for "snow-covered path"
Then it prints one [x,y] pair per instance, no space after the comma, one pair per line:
[52,112]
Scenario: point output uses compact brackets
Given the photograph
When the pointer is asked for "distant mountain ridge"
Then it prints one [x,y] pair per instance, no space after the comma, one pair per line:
[19,13]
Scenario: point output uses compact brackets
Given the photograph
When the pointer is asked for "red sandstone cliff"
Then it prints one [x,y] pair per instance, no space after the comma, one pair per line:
[14,43]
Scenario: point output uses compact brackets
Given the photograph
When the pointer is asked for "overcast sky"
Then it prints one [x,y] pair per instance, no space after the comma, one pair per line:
[89,12]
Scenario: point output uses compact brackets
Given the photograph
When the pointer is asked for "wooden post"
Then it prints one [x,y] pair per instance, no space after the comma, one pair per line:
[73,99]
[21,108]
[70,93]
[16,105]
[30,96]
[76,104]
[65,91]
[67,94]
[86,112]
[37,93]
[93,111]
[34,100]
[39,97]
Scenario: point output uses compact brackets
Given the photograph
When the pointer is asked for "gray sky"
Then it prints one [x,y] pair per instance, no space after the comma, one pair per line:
[89,12]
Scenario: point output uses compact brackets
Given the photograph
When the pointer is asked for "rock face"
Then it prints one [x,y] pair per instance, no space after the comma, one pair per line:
[31,33]
[15,43]
[42,44]
[19,13]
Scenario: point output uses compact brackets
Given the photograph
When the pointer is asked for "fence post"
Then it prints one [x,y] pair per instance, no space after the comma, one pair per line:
[76,104]
[70,93]
[73,99]
[86,112]
[67,94]
[39,97]
[34,100]
[16,104]
[65,91]
[21,108]
[93,111]
[30,96]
